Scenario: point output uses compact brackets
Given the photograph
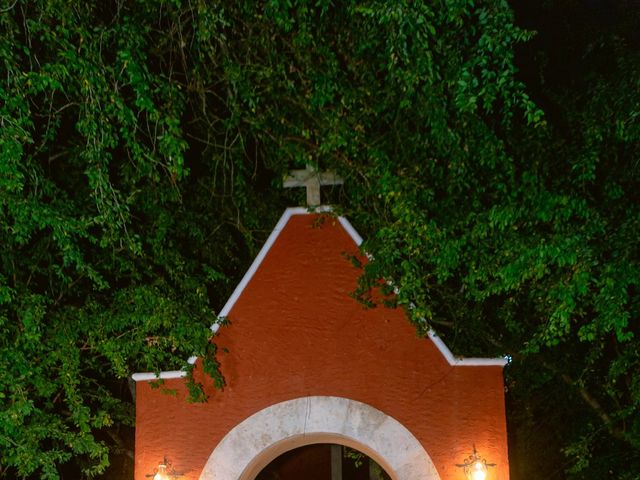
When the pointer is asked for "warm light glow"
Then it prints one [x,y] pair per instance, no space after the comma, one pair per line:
[161,473]
[479,471]
[475,467]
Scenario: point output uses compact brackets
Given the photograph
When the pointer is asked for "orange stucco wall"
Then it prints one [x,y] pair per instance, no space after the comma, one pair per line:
[296,332]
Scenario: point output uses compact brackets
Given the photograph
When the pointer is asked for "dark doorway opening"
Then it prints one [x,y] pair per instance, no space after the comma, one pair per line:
[323,461]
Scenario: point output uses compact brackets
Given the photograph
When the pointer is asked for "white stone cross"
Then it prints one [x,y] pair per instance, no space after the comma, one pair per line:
[312,180]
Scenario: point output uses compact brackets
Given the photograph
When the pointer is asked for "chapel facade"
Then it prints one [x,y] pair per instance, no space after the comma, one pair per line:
[307,364]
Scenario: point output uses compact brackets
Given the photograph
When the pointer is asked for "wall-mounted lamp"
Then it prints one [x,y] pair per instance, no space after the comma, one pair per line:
[161,474]
[164,471]
[475,467]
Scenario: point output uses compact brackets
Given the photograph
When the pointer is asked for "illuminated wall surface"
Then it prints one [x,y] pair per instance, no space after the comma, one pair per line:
[296,332]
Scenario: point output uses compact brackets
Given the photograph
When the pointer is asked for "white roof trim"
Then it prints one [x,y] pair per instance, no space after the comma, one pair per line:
[350,230]
[150,376]
[462,361]
[284,219]
[288,213]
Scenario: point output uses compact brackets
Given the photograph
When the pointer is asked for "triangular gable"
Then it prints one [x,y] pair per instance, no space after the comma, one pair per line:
[255,266]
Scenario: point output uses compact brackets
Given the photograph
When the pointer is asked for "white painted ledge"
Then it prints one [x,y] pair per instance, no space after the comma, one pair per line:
[464,361]
[150,376]
[289,212]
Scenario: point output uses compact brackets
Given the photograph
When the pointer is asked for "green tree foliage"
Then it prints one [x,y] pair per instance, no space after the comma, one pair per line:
[589,358]
[114,246]
[141,147]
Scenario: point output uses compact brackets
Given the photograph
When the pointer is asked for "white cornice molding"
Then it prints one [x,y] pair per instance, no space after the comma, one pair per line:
[284,219]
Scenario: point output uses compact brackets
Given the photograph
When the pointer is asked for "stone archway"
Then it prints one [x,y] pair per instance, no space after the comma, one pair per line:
[265,435]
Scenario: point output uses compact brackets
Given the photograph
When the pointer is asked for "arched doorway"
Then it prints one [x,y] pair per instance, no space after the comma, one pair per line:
[255,442]
[323,461]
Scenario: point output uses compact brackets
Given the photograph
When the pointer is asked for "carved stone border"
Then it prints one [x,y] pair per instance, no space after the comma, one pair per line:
[255,442]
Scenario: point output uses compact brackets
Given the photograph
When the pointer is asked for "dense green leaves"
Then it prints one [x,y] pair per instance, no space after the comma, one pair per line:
[111,255]
[141,149]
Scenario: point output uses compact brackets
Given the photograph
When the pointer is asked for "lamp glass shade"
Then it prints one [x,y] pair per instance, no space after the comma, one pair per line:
[161,473]
[478,471]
